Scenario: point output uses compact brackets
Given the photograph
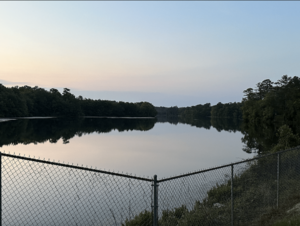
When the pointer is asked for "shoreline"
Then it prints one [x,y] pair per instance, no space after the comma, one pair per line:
[48,117]
[118,117]
[6,119]
[15,118]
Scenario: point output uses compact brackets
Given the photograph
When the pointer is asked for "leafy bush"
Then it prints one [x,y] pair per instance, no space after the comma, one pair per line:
[143,219]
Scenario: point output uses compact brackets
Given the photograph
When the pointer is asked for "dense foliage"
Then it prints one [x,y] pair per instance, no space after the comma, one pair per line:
[197,111]
[35,101]
[271,115]
[228,110]
[273,102]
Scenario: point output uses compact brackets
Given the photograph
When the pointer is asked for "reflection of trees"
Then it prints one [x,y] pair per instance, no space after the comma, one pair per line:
[264,137]
[227,124]
[256,138]
[203,122]
[42,130]
[168,119]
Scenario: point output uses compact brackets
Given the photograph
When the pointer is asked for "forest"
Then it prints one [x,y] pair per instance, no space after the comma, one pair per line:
[220,110]
[271,115]
[273,102]
[29,101]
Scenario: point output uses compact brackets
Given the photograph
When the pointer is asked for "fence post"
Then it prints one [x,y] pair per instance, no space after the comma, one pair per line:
[0,189]
[232,207]
[155,206]
[278,164]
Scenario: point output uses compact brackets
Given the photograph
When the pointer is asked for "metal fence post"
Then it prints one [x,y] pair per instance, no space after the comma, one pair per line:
[278,164]
[155,206]
[232,207]
[0,189]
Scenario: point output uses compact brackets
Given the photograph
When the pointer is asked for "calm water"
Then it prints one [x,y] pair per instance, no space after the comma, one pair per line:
[136,146]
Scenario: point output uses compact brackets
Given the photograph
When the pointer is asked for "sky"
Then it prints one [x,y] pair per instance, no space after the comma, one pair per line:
[169,53]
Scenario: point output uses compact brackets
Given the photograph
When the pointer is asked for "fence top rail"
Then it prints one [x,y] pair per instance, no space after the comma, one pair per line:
[75,167]
[227,165]
[142,178]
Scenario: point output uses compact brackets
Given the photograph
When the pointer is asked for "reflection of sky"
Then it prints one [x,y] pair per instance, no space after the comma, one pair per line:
[166,150]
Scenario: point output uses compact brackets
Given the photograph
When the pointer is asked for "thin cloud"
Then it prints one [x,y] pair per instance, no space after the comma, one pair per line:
[9,83]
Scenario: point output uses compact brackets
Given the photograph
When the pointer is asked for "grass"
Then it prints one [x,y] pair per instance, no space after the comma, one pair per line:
[280,216]
[293,220]
[255,198]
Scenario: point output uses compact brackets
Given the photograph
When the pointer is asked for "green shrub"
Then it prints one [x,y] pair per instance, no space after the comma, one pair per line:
[143,219]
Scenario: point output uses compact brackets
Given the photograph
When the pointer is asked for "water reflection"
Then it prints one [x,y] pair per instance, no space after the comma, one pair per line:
[256,138]
[220,124]
[259,138]
[35,131]
[143,146]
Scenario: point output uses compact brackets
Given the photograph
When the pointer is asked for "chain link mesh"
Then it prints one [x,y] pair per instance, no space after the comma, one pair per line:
[254,189]
[262,187]
[289,179]
[37,192]
[186,200]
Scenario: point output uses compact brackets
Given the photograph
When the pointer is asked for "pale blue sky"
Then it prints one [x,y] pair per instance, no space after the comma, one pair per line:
[167,53]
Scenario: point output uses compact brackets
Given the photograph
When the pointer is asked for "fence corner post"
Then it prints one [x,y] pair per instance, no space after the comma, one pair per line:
[0,189]
[278,164]
[232,203]
[155,197]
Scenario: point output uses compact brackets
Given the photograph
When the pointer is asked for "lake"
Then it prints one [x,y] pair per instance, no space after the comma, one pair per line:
[141,147]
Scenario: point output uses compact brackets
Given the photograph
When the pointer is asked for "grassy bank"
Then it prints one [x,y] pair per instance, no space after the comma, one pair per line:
[256,193]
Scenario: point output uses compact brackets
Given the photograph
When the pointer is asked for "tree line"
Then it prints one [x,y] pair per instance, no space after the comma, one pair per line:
[271,114]
[28,101]
[220,110]
[273,102]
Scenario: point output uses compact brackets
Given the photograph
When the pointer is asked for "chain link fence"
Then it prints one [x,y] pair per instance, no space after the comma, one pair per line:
[39,192]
